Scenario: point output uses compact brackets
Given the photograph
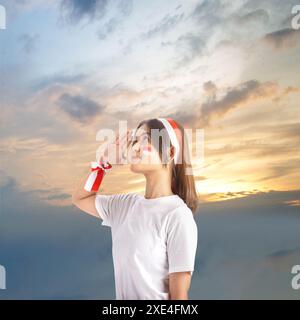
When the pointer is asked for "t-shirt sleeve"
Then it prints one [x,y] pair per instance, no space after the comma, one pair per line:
[182,238]
[104,206]
[113,208]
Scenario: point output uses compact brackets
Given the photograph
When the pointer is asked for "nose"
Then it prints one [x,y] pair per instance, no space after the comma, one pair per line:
[135,147]
[135,150]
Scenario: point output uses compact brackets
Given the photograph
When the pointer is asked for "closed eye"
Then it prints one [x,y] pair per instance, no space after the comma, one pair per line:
[143,136]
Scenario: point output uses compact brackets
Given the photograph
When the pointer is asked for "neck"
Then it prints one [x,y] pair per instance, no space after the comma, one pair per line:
[158,184]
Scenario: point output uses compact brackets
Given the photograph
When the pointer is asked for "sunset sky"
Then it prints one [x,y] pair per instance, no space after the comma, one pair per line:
[230,68]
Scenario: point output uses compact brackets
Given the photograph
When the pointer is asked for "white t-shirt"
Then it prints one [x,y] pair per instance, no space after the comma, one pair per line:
[150,239]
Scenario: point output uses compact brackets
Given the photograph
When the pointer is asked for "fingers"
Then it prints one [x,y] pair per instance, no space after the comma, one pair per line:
[125,143]
[123,140]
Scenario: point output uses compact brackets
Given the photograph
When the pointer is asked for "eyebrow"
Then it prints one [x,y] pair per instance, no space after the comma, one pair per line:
[144,133]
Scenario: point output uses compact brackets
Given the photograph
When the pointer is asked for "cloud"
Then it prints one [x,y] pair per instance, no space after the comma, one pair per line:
[15,8]
[259,16]
[247,201]
[282,39]
[108,28]
[278,170]
[235,97]
[258,148]
[190,45]
[76,10]
[53,196]
[188,119]
[79,107]
[283,260]
[124,9]
[283,253]
[219,23]
[167,23]
[210,87]
[208,13]
[29,42]
[293,203]
[58,78]
[36,114]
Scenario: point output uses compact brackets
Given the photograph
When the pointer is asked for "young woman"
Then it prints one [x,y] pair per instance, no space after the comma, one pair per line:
[154,235]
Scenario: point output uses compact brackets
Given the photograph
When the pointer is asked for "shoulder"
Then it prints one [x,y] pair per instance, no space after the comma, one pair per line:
[123,198]
[114,207]
[181,215]
[119,196]
[181,212]
[129,196]
[116,199]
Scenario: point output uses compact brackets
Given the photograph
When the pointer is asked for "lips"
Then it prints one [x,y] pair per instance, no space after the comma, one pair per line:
[134,158]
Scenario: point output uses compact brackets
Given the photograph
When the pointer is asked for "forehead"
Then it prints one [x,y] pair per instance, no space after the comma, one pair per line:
[141,131]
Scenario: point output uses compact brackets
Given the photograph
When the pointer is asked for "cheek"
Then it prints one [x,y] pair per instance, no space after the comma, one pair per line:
[151,156]
[149,152]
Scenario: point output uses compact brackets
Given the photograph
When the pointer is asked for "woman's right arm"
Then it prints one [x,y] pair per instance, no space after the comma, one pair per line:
[85,200]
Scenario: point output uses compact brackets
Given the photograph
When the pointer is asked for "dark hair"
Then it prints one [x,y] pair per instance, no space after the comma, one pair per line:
[182,184]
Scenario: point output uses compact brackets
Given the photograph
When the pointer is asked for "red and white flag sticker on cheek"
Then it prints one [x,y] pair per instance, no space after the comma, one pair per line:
[146,150]
[94,180]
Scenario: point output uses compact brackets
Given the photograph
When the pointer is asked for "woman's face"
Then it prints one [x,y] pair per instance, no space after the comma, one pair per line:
[144,157]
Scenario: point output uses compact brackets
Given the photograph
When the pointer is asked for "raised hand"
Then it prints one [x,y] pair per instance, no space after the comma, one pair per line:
[115,152]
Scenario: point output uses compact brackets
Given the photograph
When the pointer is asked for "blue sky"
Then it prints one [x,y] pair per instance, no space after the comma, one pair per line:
[71,67]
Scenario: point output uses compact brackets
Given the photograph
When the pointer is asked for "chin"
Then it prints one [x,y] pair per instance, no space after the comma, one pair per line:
[141,167]
[144,167]
[137,168]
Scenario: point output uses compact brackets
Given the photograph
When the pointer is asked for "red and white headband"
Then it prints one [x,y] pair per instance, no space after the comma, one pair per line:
[174,134]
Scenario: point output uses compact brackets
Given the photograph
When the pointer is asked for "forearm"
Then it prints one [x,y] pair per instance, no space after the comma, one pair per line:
[179,285]
[179,296]
[80,193]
